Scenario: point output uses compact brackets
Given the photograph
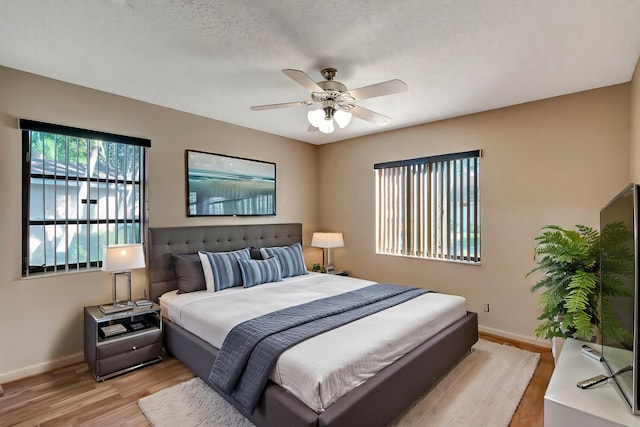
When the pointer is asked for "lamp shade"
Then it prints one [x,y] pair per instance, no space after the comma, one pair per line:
[327,240]
[342,118]
[322,118]
[316,117]
[326,126]
[123,257]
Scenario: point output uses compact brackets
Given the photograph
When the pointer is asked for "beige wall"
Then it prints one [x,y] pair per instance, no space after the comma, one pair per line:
[634,115]
[41,318]
[556,161]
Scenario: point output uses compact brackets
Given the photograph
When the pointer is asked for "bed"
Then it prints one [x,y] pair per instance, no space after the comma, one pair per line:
[377,401]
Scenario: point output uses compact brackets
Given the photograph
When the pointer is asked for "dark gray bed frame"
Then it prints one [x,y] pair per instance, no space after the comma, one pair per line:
[377,402]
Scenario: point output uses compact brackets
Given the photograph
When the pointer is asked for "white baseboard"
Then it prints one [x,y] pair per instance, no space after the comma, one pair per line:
[516,337]
[40,368]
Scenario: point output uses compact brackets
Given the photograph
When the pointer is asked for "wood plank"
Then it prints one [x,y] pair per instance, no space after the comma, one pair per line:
[70,396]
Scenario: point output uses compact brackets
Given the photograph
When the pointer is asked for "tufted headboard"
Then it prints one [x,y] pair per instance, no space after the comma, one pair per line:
[185,240]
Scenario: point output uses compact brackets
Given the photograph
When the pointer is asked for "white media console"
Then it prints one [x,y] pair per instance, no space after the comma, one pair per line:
[599,406]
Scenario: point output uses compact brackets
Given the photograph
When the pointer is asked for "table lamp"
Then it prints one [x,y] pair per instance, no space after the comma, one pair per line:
[119,259]
[327,241]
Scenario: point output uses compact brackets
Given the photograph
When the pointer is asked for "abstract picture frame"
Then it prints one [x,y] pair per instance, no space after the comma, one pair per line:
[222,185]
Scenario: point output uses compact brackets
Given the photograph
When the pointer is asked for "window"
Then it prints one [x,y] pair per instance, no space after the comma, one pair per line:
[82,190]
[430,207]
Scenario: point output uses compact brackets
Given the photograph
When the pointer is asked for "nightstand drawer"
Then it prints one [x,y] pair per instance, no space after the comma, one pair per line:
[128,358]
[118,346]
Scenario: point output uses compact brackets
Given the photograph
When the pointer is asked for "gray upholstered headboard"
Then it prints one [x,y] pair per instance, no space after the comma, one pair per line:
[185,240]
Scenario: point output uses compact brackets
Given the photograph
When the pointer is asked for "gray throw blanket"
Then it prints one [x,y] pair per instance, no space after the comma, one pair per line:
[250,351]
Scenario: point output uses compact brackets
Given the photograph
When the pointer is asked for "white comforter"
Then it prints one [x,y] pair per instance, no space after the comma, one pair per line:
[322,369]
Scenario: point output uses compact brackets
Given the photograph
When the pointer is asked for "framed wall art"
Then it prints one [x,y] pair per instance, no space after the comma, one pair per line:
[219,185]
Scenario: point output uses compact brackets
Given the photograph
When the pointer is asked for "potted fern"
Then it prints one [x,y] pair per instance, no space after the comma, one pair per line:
[571,302]
[570,261]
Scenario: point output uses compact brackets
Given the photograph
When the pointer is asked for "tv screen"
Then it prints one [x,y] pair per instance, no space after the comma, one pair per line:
[618,281]
[229,186]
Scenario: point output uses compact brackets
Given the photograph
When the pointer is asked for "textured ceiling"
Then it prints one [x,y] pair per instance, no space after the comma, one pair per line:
[218,58]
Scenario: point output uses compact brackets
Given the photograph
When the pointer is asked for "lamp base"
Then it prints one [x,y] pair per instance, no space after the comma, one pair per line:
[123,303]
[110,308]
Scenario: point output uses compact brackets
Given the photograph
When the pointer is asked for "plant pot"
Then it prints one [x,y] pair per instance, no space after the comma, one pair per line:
[556,348]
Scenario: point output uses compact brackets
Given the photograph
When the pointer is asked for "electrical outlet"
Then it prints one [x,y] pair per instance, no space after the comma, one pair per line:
[486,308]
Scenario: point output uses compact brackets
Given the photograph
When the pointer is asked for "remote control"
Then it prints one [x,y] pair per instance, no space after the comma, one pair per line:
[592,381]
[591,352]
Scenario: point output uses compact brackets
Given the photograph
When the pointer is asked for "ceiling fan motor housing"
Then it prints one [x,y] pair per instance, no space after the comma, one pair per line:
[332,85]
[334,92]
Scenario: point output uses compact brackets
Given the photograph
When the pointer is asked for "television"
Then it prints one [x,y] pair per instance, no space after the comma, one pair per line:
[219,185]
[619,276]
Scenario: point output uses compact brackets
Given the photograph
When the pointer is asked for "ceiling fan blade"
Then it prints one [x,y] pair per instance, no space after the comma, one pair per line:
[312,128]
[370,116]
[303,80]
[283,105]
[379,89]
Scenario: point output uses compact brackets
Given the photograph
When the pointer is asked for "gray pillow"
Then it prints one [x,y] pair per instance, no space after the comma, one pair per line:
[255,253]
[189,273]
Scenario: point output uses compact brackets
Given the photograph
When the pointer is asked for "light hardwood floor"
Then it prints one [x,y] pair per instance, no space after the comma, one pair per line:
[70,396]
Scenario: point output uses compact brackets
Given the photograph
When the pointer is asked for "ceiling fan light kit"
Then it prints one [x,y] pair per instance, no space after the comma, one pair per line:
[336,101]
[323,118]
[342,118]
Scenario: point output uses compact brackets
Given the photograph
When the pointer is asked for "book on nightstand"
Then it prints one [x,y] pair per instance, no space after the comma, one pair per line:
[143,303]
[111,330]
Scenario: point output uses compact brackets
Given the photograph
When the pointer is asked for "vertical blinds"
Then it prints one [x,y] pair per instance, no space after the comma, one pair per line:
[429,207]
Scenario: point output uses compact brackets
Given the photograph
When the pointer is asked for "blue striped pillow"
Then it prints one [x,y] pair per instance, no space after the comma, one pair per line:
[224,268]
[255,272]
[290,257]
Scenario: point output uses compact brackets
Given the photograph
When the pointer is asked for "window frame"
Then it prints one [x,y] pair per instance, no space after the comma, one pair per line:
[429,207]
[138,183]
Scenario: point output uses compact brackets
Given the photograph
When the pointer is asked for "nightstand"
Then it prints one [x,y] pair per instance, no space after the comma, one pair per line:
[338,272]
[119,342]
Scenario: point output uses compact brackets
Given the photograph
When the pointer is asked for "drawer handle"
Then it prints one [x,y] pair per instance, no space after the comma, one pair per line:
[133,348]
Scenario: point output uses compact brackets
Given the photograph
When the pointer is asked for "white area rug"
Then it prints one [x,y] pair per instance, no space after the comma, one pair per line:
[484,389]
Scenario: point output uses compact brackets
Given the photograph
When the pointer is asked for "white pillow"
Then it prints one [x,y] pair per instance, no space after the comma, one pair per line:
[208,272]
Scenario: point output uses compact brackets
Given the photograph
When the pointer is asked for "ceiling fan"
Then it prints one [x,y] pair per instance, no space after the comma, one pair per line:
[336,102]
